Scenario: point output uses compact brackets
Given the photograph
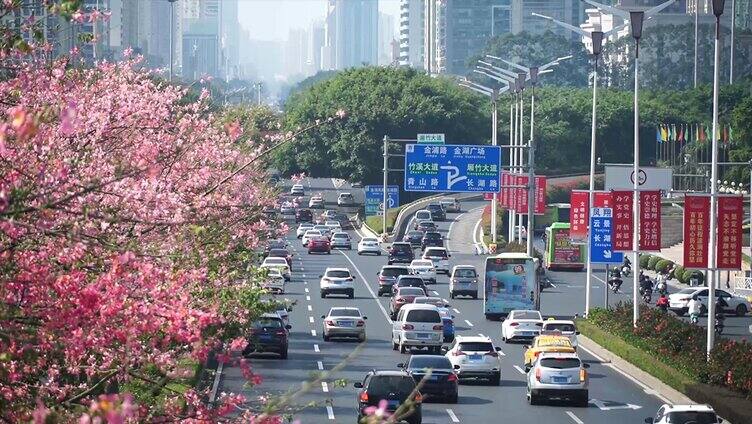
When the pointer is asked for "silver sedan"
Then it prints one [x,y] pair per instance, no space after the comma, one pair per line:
[344,322]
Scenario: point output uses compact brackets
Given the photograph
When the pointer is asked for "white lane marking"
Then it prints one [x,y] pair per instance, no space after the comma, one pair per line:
[310,319]
[306,283]
[451,225]
[306,289]
[316,347]
[434,292]
[444,300]
[310,308]
[308,298]
[469,323]
[370,290]
[452,416]
[302,269]
[481,334]
[313,333]
[324,387]
[574,417]
[456,310]
[329,412]
[304,276]
[517,367]
[320,365]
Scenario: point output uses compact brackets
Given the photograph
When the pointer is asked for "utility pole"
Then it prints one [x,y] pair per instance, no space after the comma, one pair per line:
[172,19]
[386,181]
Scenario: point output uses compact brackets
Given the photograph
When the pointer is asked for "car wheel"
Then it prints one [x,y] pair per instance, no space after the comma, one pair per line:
[323,295]
[583,401]
[453,398]
[326,338]
[402,348]
[496,380]
[388,262]
[362,338]
[475,296]
[360,253]
[533,399]
[679,313]
[329,252]
[741,310]
[395,346]
[451,295]
[352,294]
[378,253]
[283,355]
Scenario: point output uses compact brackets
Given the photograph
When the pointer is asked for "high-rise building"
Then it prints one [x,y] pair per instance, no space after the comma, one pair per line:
[386,36]
[316,37]
[351,33]
[296,52]
[569,11]
[412,33]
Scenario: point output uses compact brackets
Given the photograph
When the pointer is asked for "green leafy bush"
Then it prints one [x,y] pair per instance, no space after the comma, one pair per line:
[644,261]
[653,261]
[688,274]
[679,273]
[663,265]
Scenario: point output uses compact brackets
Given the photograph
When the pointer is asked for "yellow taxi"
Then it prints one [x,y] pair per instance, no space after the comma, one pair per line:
[547,343]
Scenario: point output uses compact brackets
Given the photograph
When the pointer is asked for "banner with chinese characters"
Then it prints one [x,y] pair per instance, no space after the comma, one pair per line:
[622,220]
[696,231]
[729,248]
[512,198]
[602,199]
[504,189]
[650,220]
[540,195]
[521,194]
[578,215]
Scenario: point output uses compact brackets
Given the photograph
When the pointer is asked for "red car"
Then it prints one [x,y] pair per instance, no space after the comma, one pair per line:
[319,244]
[403,296]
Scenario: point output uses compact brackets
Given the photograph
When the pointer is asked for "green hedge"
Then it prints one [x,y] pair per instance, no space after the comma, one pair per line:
[652,262]
[679,273]
[644,261]
[663,265]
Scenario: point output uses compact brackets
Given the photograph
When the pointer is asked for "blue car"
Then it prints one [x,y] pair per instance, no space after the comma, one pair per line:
[447,320]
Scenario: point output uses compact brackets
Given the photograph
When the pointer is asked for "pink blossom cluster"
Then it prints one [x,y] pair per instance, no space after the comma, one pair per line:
[114,232]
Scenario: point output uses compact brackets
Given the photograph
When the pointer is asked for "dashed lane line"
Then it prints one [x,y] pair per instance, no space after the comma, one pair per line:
[306,290]
[313,333]
[310,308]
[324,387]
[469,323]
[308,298]
[316,347]
[456,310]
[574,417]
[310,319]
[452,416]
[521,371]
[330,412]
[320,365]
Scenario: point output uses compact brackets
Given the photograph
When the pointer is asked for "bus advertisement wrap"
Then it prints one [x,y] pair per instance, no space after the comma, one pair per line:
[561,253]
[564,251]
[508,285]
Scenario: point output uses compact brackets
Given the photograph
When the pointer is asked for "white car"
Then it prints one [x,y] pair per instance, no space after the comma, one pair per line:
[684,414]
[561,327]
[344,322]
[316,202]
[274,281]
[440,258]
[425,269]
[302,228]
[334,226]
[297,190]
[417,326]
[308,235]
[278,263]
[422,215]
[521,324]
[679,302]
[325,231]
[369,245]
[345,199]
[287,209]
[475,357]
[337,281]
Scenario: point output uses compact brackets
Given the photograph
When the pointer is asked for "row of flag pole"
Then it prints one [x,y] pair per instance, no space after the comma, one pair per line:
[690,133]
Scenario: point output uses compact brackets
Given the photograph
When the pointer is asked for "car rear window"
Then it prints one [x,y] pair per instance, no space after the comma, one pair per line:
[343,312]
[393,272]
[278,252]
[421,361]
[381,386]
[423,215]
[370,240]
[560,363]
[526,315]
[430,300]
[402,247]
[561,327]
[433,236]
[476,347]
[464,273]
[341,236]
[436,252]
[267,323]
[694,417]
[411,291]
[423,315]
[338,274]
[410,281]
[275,261]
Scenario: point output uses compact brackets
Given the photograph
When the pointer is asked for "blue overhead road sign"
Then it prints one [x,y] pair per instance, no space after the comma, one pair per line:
[375,197]
[452,168]
[601,237]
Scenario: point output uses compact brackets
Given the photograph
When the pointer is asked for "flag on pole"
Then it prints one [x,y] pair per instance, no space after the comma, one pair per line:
[658,135]
[674,136]
[701,134]
[664,133]
[681,133]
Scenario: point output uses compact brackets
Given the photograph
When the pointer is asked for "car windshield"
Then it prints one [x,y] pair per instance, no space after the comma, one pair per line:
[393,272]
[694,417]
[313,233]
[560,363]
[411,291]
[321,227]
[344,312]
[436,252]
[565,328]
[423,315]
[382,386]
[464,273]
[527,315]
[319,238]
[369,240]
[432,236]
[338,274]
[267,323]
[427,224]
[415,234]
[306,226]
[433,207]
[423,215]
[476,347]
[686,291]
[426,361]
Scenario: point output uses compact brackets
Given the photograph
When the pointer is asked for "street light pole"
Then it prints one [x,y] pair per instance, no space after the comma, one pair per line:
[697,26]
[172,18]
[733,24]
[386,178]
[520,143]
[531,165]
[494,142]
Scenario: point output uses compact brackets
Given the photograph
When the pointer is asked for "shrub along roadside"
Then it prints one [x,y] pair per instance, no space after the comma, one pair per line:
[375,222]
[673,351]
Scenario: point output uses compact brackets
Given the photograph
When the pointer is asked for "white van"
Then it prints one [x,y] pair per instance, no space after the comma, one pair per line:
[418,325]
[422,215]
[463,281]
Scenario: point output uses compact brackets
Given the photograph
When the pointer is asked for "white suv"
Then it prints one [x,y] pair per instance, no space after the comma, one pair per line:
[337,281]
[418,325]
[684,414]
[425,269]
[475,357]
[440,258]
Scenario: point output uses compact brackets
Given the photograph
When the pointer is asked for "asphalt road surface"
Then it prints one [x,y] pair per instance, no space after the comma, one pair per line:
[614,398]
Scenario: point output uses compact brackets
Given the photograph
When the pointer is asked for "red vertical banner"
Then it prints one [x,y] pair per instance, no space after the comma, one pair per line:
[522,195]
[505,189]
[622,205]
[540,194]
[512,180]
[487,196]
[650,220]
[696,231]
[602,199]
[578,215]
[729,247]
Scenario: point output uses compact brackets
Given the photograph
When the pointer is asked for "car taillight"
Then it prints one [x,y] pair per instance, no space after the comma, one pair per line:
[458,353]
[438,327]
[537,374]
[452,377]
[536,354]
[399,299]
[583,375]
[492,353]
[364,397]
[418,398]
[514,324]
[329,322]
[280,332]
[454,281]
[382,278]
[361,323]
[326,280]
[408,327]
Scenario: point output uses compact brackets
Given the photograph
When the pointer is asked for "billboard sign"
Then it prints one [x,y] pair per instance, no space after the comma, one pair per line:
[452,168]
[601,237]
[650,178]
[430,138]
[696,231]
[622,220]
[729,248]
[375,198]
[650,221]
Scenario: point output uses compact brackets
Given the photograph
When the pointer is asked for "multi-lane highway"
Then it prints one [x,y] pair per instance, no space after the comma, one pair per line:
[614,398]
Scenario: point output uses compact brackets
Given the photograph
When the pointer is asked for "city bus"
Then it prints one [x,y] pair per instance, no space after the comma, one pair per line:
[560,252]
[509,283]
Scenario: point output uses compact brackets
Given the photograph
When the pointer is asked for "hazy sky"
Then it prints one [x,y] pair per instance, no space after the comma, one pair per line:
[273,19]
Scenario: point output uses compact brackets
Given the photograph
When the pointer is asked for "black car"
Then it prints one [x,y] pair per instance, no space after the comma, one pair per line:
[269,334]
[400,252]
[409,281]
[431,239]
[397,388]
[426,226]
[413,237]
[437,211]
[388,276]
[281,253]
[274,244]
[442,383]
[344,221]
[303,215]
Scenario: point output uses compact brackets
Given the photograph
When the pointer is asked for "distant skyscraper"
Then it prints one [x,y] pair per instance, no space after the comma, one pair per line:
[569,11]
[316,37]
[412,33]
[351,33]
[386,36]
